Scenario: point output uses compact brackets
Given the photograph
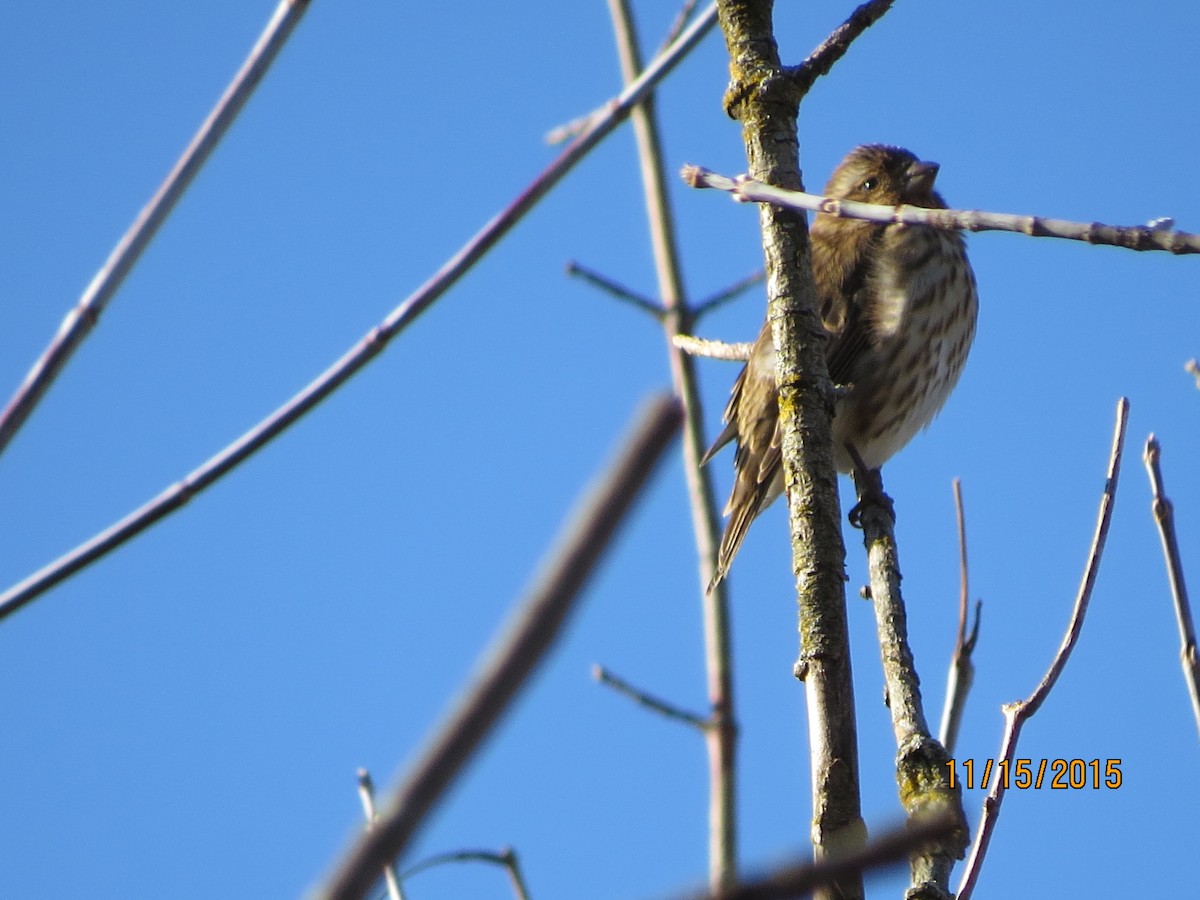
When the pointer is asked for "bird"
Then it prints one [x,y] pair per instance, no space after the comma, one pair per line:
[899,306]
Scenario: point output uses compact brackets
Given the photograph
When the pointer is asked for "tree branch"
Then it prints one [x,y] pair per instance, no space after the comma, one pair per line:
[1164,518]
[652,703]
[1017,714]
[694,346]
[370,346]
[1132,237]
[763,98]
[962,667]
[721,734]
[515,653]
[926,785]
[80,321]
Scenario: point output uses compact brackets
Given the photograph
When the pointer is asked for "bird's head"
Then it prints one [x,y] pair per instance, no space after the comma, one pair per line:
[891,176]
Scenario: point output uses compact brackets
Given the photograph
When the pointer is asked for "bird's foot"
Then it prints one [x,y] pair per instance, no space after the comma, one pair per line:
[869,484]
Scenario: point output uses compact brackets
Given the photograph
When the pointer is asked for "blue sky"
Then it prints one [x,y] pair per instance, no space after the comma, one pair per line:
[186,717]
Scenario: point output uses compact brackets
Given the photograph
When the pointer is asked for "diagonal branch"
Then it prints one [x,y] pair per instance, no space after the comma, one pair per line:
[834,47]
[1131,237]
[1164,518]
[515,652]
[1017,714]
[80,321]
[615,289]
[652,703]
[366,349]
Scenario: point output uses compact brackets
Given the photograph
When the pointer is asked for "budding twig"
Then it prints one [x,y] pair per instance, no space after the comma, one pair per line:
[1164,518]
[1017,714]
[1131,237]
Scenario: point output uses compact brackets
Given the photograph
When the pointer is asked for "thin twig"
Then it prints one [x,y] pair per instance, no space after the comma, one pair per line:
[361,353]
[925,784]
[514,654]
[694,346]
[720,298]
[721,735]
[562,133]
[834,47]
[506,858]
[1017,714]
[366,794]
[1164,518]
[656,704]
[616,289]
[962,666]
[677,26]
[800,879]
[79,322]
[1132,237]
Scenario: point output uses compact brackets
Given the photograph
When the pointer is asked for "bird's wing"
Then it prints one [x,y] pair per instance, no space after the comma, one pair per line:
[844,288]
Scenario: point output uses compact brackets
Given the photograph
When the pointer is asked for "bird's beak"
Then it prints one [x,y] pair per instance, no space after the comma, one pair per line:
[918,180]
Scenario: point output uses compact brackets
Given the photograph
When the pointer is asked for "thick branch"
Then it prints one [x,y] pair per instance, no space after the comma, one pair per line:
[514,654]
[761,98]
[926,786]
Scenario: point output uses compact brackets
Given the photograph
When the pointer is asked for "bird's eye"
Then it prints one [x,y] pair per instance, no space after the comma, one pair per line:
[870,184]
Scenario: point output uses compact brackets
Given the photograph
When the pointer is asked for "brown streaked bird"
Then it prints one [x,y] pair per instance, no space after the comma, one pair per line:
[899,306]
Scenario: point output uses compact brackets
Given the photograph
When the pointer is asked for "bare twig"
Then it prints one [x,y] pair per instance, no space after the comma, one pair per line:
[720,298]
[620,291]
[677,26]
[656,704]
[514,654]
[83,317]
[1017,714]
[721,735]
[365,350]
[962,667]
[562,133]
[1164,518]
[1132,237]
[926,785]
[834,47]
[803,877]
[506,858]
[694,346]
[366,794]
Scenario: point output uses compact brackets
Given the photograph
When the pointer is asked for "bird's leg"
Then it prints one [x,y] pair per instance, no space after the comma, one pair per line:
[868,483]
